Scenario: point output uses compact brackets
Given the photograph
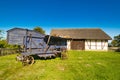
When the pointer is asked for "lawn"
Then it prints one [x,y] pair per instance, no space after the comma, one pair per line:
[80,65]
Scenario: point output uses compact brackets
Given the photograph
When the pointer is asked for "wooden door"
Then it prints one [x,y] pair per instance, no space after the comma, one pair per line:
[78,44]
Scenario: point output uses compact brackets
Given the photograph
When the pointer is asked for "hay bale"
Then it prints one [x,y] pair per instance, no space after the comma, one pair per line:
[64,55]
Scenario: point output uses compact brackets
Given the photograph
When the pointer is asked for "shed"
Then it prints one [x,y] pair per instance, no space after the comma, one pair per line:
[83,39]
[17,35]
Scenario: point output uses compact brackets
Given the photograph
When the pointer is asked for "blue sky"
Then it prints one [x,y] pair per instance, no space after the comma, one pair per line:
[49,14]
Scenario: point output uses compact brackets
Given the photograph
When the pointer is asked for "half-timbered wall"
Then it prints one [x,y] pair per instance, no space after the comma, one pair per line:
[68,44]
[96,45]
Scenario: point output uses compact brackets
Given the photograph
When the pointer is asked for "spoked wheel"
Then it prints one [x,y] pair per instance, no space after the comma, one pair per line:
[27,60]
[31,59]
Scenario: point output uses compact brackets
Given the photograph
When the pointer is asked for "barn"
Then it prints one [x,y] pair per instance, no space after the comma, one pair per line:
[83,39]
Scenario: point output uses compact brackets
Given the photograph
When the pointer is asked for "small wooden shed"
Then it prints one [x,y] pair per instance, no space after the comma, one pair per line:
[84,39]
[17,35]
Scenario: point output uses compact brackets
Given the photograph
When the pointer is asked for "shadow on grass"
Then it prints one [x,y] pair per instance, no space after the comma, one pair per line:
[36,57]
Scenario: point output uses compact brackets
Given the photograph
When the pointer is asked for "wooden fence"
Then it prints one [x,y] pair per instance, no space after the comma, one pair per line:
[4,51]
[117,49]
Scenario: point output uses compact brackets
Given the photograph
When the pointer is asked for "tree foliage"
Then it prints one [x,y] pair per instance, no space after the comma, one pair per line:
[1,34]
[4,44]
[116,41]
[39,29]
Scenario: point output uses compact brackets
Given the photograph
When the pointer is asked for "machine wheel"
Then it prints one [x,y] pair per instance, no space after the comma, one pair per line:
[31,59]
[27,60]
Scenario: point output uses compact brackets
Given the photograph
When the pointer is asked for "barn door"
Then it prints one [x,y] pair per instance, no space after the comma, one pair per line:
[78,44]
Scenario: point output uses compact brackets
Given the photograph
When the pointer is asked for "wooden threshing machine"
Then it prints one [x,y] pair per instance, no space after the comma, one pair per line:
[32,43]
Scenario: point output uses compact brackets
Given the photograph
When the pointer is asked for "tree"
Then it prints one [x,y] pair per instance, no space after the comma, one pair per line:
[39,29]
[2,43]
[1,34]
[116,41]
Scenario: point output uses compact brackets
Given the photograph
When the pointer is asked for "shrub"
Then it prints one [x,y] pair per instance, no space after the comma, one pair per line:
[4,44]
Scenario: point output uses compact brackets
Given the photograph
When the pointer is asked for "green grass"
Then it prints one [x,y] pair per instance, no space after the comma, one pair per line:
[80,65]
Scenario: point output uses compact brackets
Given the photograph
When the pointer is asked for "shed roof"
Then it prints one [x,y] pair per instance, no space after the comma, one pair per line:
[84,33]
[23,30]
[20,29]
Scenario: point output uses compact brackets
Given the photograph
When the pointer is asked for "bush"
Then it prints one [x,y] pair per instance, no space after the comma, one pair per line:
[64,55]
[4,44]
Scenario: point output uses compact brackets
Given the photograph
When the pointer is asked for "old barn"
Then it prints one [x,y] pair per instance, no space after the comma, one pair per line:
[83,39]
